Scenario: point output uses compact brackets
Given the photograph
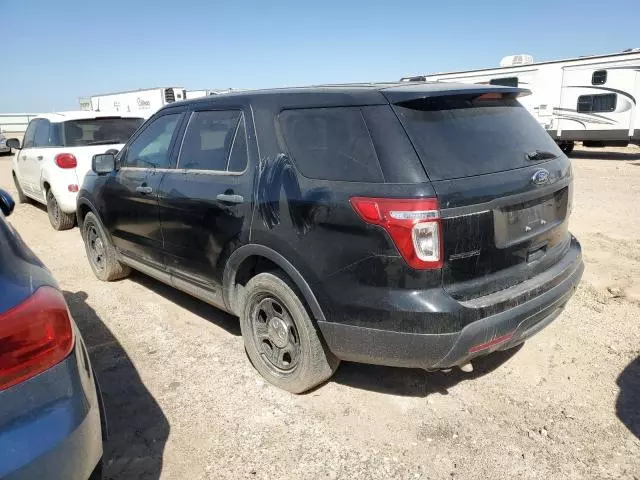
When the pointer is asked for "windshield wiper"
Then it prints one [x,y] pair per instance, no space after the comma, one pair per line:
[540,155]
[104,142]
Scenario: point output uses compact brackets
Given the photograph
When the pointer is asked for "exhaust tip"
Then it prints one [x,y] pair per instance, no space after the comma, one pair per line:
[467,367]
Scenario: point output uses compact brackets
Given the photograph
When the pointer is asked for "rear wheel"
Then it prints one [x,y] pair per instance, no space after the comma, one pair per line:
[22,198]
[59,219]
[101,254]
[280,338]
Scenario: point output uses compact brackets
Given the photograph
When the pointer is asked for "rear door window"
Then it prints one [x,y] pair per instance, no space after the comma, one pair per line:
[331,144]
[466,135]
[209,139]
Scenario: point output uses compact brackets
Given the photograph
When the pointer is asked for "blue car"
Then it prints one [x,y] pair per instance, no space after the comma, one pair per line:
[51,419]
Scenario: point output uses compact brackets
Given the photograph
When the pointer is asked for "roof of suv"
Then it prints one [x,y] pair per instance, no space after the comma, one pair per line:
[363,93]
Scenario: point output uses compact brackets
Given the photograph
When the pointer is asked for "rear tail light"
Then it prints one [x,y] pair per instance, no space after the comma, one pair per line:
[413,224]
[73,187]
[34,336]
[66,160]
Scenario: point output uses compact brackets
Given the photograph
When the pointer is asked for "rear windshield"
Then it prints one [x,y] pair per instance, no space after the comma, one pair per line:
[98,131]
[464,135]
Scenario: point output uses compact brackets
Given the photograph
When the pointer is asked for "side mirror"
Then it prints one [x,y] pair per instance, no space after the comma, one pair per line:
[103,163]
[6,203]
[13,143]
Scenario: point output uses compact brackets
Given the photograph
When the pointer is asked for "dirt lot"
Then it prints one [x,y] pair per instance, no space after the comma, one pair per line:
[184,402]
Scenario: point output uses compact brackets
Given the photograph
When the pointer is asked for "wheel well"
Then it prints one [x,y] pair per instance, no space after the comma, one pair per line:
[82,211]
[252,266]
[249,268]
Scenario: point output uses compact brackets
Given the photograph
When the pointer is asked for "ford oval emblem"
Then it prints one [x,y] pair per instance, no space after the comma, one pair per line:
[540,177]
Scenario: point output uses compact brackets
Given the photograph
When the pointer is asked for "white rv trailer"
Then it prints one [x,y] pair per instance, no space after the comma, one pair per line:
[144,102]
[589,99]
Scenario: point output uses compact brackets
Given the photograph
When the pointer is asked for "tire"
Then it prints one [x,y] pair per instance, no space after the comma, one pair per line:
[280,338]
[101,254]
[59,219]
[567,147]
[22,198]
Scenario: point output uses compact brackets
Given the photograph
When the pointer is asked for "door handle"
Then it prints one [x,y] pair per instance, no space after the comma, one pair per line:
[39,157]
[223,197]
[24,157]
[144,190]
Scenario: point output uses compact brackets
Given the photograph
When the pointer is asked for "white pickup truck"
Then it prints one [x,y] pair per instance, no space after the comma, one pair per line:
[56,154]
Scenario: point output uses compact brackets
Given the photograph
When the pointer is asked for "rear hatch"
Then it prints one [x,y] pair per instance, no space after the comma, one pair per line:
[503,185]
[84,138]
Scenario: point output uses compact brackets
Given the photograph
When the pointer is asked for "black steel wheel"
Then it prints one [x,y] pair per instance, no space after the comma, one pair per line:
[95,248]
[276,334]
[102,256]
[281,340]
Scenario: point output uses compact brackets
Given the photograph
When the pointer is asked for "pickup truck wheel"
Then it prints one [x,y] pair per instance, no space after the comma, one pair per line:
[280,338]
[101,254]
[22,198]
[59,219]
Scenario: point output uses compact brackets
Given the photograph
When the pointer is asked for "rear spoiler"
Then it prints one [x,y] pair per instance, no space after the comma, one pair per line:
[419,91]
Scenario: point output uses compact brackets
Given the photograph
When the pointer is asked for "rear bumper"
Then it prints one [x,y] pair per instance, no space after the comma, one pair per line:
[66,199]
[50,424]
[481,335]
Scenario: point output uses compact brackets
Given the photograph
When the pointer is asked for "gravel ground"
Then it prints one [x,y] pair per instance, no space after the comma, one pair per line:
[184,402]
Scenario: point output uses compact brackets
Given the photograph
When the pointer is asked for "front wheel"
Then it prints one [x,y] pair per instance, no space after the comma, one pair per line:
[279,336]
[59,219]
[101,254]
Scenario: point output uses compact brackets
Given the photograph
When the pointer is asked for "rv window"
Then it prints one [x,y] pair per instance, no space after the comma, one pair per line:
[505,82]
[599,77]
[597,103]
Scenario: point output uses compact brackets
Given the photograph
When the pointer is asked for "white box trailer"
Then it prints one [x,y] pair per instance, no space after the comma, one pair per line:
[589,99]
[191,94]
[144,102]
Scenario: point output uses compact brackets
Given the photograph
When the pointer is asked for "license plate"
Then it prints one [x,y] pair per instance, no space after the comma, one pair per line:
[518,222]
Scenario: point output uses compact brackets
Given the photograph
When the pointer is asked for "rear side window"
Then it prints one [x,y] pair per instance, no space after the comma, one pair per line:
[465,135]
[331,144]
[214,141]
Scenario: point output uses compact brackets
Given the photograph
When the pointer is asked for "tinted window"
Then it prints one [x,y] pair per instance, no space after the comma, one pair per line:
[331,144]
[41,138]
[599,77]
[597,103]
[29,134]
[466,135]
[151,147]
[507,82]
[239,154]
[208,140]
[99,131]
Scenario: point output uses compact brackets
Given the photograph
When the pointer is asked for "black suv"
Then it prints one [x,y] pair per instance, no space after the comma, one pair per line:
[414,225]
